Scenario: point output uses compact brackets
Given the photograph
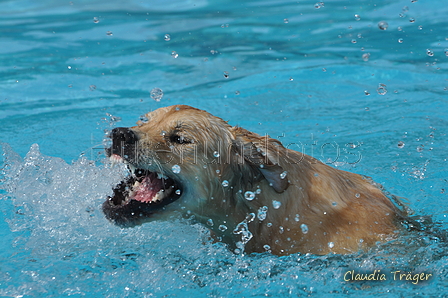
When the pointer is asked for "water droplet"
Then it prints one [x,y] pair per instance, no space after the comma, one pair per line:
[167,37]
[178,192]
[237,92]
[243,230]
[400,40]
[366,92]
[366,56]
[283,175]
[429,52]
[400,144]
[334,204]
[357,17]
[210,222]
[92,87]
[225,183]
[297,217]
[176,169]
[319,5]
[276,204]
[96,20]
[357,195]
[109,33]
[174,54]
[143,119]
[266,247]
[412,20]
[216,154]
[420,27]
[354,40]
[381,89]
[262,212]
[281,230]
[419,149]
[269,224]
[218,171]
[156,94]
[222,228]
[69,67]
[446,52]
[248,195]
[304,228]
[250,217]
[383,25]
[330,244]
[258,191]
[286,21]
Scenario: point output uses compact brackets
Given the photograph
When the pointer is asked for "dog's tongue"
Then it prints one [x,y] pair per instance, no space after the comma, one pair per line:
[151,189]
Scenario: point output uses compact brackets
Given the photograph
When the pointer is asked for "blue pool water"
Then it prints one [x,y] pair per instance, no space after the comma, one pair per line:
[305,72]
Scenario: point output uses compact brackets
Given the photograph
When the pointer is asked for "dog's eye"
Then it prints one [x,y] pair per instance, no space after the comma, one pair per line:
[179,139]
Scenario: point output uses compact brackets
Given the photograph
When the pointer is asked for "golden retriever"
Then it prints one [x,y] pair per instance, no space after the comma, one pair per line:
[252,192]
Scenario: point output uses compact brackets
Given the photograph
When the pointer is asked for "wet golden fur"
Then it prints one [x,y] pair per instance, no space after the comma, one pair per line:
[342,212]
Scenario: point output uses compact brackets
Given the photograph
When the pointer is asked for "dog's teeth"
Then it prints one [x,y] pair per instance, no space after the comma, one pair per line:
[126,200]
[115,159]
[160,195]
[161,176]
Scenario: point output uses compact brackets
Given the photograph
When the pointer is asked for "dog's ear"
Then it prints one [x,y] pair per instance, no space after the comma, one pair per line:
[262,154]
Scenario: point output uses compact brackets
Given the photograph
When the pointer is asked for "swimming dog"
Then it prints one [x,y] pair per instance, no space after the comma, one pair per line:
[252,192]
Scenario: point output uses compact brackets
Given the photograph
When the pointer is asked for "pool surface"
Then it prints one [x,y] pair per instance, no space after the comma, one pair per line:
[362,85]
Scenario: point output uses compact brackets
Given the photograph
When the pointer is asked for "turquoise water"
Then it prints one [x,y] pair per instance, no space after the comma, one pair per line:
[300,71]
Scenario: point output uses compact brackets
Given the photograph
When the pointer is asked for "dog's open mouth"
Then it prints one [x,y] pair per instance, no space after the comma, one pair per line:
[139,195]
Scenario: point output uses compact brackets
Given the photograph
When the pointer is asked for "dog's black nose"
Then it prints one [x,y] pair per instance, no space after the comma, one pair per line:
[124,143]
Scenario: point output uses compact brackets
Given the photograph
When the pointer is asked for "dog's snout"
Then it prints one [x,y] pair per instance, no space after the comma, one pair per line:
[123,134]
[124,142]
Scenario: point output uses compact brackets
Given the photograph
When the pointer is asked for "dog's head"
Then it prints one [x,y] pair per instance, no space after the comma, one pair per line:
[183,158]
